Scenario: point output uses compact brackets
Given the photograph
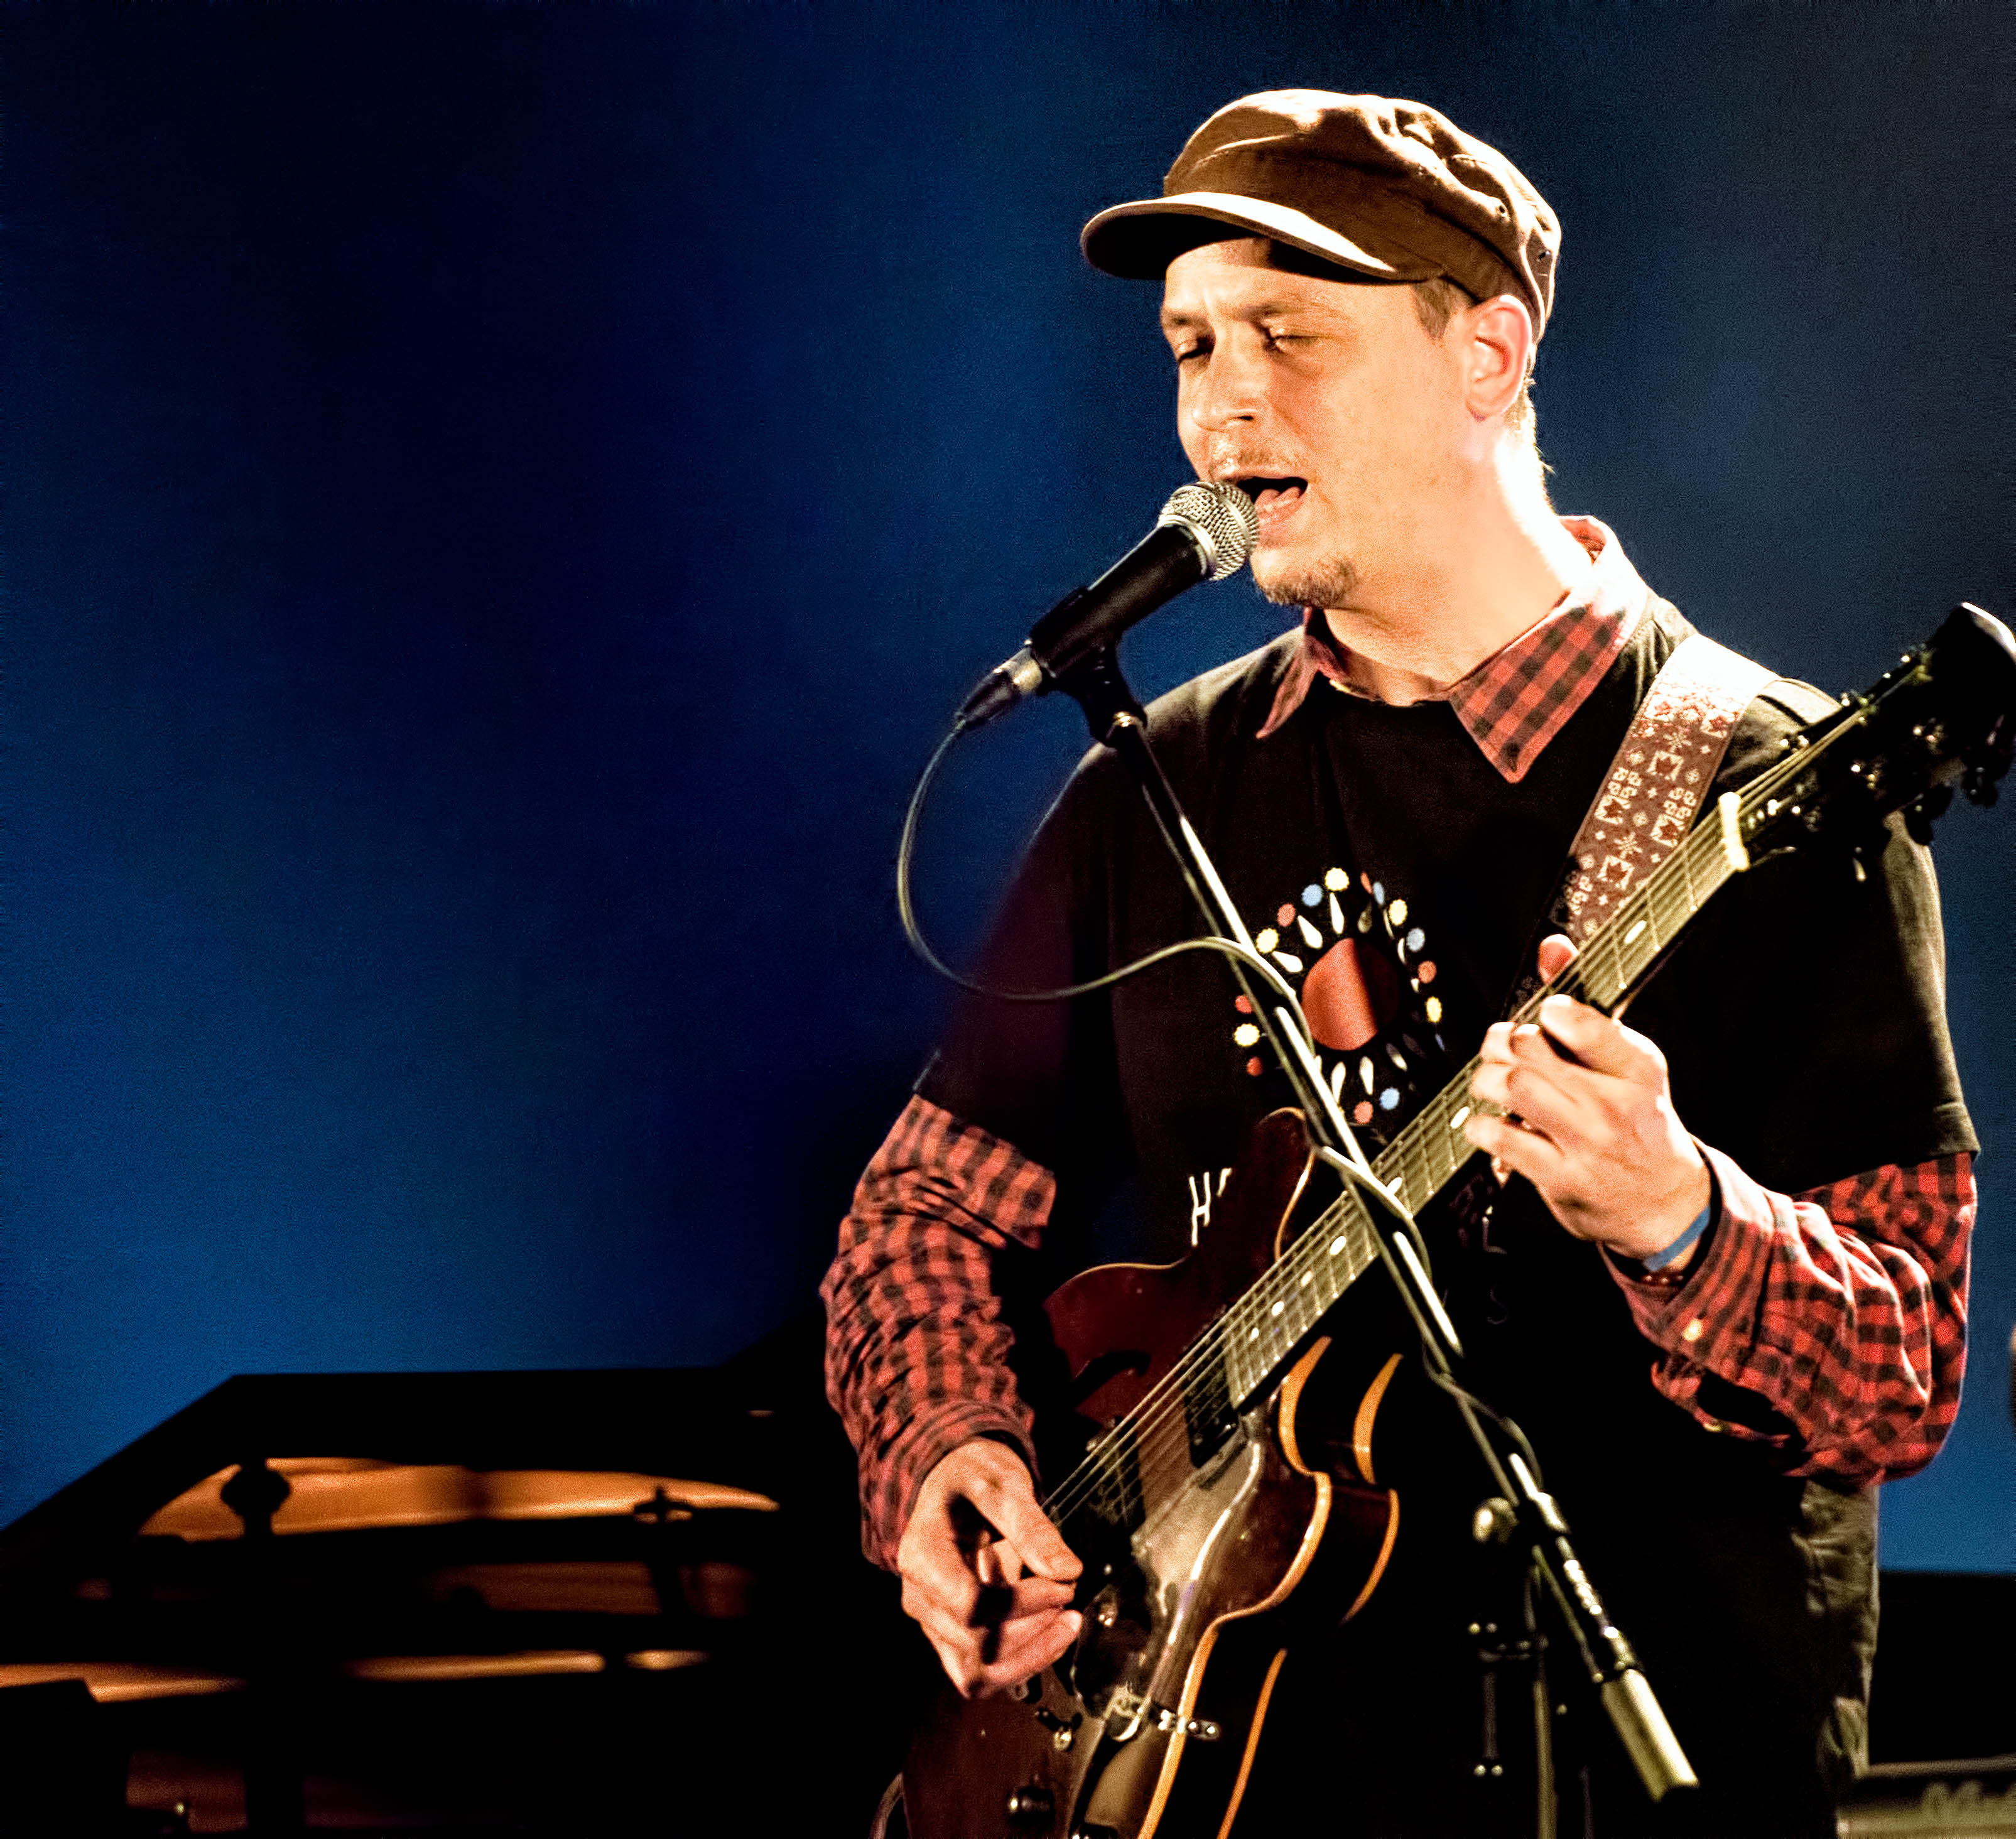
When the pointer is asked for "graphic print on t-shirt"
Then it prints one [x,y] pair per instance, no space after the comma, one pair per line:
[1360,961]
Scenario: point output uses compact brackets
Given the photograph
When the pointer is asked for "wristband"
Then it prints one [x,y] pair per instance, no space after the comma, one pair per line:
[1681,1245]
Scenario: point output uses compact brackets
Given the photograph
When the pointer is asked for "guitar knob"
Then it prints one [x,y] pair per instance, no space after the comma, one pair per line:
[1032,1806]
[1494,1522]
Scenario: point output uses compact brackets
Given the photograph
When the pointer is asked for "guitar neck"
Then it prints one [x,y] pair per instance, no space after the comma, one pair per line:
[1243,1353]
[1265,1327]
[1420,1161]
[1940,716]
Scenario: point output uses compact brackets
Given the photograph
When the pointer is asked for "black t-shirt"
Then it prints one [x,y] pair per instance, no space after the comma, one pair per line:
[1803,1014]
[1401,884]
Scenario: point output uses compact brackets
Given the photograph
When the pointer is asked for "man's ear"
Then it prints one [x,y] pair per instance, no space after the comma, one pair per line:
[1497,350]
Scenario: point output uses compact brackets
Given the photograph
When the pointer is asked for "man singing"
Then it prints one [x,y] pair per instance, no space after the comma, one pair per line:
[1719,1280]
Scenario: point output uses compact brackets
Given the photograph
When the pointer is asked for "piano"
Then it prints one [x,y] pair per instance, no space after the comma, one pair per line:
[586,1603]
[567,1602]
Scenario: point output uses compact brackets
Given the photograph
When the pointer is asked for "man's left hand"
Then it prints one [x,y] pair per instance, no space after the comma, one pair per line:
[1590,1124]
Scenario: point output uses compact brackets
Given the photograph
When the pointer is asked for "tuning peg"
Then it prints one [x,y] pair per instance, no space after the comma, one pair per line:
[1979,783]
[1920,814]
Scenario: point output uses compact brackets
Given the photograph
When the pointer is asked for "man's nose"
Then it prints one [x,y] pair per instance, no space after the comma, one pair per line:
[1230,390]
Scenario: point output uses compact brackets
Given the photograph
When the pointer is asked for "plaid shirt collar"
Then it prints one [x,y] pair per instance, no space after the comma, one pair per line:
[1520,698]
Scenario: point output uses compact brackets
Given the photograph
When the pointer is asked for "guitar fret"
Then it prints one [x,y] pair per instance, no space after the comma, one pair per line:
[1404,1180]
[1629,933]
[1248,1345]
[1434,1149]
[1609,936]
[1294,1295]
[1391,1167]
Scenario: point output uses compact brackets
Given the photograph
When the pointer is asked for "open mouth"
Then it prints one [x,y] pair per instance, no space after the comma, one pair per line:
[1273,496]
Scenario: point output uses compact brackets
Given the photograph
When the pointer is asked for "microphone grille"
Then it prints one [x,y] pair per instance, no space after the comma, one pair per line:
[1222,519]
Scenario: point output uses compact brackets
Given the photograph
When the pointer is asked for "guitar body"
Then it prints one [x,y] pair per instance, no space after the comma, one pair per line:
[1149,1726]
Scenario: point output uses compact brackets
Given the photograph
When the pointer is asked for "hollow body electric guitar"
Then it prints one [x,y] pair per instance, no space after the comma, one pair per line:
[1197,1509]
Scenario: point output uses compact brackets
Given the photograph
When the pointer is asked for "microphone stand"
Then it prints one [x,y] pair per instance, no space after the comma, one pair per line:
[1522,1511]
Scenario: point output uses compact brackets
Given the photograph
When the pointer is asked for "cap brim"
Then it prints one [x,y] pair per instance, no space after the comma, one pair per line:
[1138,241]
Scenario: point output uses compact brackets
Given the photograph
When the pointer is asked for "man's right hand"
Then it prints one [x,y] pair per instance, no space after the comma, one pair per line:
[985,1575]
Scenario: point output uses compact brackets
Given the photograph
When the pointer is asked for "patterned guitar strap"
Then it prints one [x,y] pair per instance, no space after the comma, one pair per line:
[1658,783]
[1648,801]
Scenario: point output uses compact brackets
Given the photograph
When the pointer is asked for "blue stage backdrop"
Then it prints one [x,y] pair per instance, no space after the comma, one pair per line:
[502,500]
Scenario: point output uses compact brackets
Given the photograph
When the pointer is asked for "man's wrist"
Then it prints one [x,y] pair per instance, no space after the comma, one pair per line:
[1680,1254]
[1670,1263]
[929,1437]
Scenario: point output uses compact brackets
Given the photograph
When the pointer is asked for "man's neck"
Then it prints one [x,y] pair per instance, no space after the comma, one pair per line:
[1413,635]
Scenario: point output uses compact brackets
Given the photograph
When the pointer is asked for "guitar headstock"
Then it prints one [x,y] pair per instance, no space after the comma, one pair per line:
[1942,718]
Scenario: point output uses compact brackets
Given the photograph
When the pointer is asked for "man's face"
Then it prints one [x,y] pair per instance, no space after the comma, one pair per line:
[1332,404]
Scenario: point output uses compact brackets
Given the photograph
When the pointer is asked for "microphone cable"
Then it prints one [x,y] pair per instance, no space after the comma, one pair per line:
[906,911]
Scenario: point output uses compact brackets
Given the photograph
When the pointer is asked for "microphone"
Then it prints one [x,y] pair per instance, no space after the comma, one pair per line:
[1205,533]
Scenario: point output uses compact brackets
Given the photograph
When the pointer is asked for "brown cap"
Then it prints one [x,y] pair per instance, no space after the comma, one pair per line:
[1392,189]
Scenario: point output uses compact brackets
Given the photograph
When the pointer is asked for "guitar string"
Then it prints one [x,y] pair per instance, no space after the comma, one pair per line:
[1167,1434]
[1287,1275]
[1669,894]
[1653,903]
[1151,1435]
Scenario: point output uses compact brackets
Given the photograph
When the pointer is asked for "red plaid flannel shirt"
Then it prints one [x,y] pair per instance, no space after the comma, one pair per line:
[1844,1308]
[1520,698]
[916,1353]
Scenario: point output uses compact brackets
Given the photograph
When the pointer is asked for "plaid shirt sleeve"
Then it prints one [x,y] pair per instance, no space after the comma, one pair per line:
[916,1350]
[1843,1308]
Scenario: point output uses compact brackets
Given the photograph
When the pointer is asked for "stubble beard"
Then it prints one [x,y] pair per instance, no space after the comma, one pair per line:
[1324,582]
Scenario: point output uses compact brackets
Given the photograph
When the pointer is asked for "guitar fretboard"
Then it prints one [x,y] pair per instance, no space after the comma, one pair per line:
[1267,1323]
[1246,1349]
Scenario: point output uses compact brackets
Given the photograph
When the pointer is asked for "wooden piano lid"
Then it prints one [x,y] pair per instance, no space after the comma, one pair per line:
[348,1494]
[114,1682]
[435,1668]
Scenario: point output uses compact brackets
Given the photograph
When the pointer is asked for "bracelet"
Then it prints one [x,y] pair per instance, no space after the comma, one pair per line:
[1681,1245]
